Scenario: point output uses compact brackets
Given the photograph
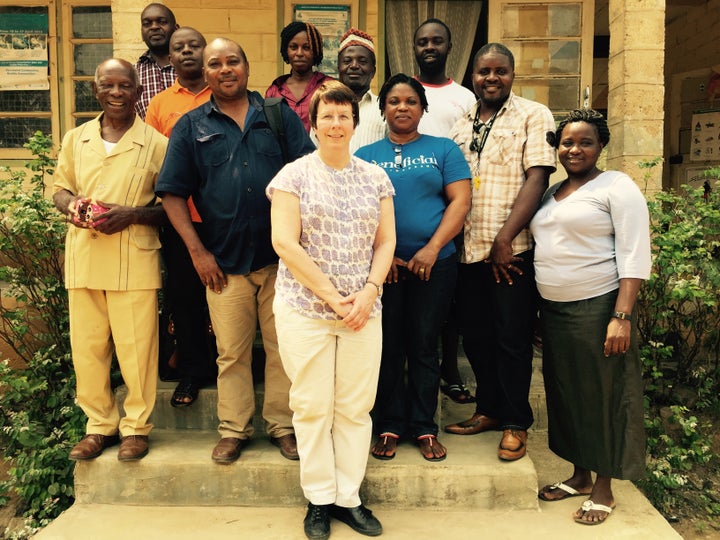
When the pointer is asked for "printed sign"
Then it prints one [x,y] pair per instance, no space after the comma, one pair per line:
[705,136]
[332,21]
[24,52]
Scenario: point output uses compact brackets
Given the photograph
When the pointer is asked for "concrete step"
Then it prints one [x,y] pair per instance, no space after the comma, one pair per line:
[178,471]
[203,412]
[633,519]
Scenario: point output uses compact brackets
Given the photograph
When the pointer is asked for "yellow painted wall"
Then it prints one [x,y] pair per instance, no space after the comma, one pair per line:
[252,23]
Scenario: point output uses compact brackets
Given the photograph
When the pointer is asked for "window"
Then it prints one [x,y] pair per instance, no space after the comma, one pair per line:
[552,44]
[23,112]
[79,38]
[89,30]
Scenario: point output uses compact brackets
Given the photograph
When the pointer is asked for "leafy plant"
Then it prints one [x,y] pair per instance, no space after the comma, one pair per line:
[679,311]
[674,445]
[679,325]
[39,421]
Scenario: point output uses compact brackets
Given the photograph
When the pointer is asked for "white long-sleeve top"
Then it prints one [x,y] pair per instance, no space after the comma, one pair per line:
[589,240]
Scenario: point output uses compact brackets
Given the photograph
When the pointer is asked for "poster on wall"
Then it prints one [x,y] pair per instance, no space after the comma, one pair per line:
[705,136]
[24,52]
[332,21]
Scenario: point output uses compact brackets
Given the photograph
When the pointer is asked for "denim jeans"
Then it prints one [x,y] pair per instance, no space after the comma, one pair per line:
[413,314]
[497,323]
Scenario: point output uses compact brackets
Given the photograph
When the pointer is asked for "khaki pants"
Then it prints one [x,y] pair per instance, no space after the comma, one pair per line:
[334,373]
[234,314]
[128,322]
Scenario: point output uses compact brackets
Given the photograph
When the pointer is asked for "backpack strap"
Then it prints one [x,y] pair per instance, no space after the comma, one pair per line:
[273,115]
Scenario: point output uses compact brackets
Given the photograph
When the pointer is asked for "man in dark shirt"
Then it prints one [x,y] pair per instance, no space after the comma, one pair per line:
[154,68]
[224,154]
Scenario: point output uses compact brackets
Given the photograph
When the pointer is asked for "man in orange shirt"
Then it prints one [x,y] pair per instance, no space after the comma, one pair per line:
[184,292]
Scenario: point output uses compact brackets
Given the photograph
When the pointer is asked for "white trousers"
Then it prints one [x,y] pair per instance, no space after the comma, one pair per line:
[334,374]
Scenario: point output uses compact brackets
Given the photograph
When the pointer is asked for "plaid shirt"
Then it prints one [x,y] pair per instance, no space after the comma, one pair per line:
[153,78]
[517,141]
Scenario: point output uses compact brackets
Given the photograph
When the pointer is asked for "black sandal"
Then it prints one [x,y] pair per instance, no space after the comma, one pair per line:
[186,388]
[458,393]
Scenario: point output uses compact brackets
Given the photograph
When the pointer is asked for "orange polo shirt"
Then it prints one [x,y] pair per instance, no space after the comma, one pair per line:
[165,110]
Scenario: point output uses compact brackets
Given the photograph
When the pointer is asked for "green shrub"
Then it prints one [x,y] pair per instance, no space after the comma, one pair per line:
[679,325]
[39,421]
[679,312]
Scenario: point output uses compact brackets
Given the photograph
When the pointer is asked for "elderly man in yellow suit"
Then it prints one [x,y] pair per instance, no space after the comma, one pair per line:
[104,183]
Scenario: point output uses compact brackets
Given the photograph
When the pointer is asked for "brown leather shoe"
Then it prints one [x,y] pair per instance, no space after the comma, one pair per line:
[513,444]
[92,445]
[227,450]
[133,447]
[476,424]
[287,445]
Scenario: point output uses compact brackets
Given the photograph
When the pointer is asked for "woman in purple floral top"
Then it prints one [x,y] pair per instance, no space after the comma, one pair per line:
[333,227]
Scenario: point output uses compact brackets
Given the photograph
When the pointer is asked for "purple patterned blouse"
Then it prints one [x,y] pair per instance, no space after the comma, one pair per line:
[339,213]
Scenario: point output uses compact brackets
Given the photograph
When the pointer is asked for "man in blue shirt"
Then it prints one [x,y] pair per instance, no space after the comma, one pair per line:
[224,154]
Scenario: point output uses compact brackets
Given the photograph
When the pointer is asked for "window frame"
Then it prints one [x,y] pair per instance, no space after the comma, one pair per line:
[70,115]
[53,113]
[587,30]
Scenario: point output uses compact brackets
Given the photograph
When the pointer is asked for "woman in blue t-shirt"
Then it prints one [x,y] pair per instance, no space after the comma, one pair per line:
[432,184]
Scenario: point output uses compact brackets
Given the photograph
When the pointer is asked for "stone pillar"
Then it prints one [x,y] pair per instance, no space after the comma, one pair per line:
[636,89]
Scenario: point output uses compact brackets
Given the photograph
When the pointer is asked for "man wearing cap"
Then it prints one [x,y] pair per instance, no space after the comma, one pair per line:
[356,66]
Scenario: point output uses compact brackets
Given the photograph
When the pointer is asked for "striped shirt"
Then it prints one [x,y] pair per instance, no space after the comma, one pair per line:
[517,141]
[153,78]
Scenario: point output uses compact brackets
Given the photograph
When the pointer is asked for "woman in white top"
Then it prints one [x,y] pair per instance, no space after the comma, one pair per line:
[592,254]
[333,227]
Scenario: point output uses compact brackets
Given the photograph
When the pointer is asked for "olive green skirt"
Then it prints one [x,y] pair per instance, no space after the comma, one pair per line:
[594,403]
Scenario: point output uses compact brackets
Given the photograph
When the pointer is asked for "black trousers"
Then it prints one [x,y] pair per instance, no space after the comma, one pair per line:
[496,323]
[184,298]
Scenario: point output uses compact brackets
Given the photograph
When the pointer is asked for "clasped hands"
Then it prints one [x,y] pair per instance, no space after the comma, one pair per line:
[107,218]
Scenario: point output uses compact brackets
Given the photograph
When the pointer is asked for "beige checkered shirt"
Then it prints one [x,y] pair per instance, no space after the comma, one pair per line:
[517,141]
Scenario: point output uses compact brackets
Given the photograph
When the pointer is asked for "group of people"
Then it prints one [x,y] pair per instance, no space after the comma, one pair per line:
[357,236]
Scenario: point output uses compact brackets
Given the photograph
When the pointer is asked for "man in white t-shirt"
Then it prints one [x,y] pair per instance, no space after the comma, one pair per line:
[447,100]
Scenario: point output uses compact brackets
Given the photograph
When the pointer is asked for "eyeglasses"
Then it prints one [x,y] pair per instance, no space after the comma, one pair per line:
[481,130]
[398,157]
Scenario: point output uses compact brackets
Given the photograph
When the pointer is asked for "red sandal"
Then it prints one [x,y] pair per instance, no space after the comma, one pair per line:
[425,442]
[386,441]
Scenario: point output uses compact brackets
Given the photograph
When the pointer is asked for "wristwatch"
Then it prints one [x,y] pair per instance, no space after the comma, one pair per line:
[621,315]
[378,287]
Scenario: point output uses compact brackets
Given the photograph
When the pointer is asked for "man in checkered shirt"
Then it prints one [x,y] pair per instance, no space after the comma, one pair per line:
[154,68]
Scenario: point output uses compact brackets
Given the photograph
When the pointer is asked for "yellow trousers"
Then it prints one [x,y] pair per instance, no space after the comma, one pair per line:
[126,322]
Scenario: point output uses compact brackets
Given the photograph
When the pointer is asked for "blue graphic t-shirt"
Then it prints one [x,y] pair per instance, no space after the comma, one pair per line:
[419,172]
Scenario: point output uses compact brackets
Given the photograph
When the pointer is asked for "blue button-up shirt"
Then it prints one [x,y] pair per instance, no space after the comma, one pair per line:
[225,170]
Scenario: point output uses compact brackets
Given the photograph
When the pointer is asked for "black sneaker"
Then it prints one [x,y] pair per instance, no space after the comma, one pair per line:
[359,518]
[317,522]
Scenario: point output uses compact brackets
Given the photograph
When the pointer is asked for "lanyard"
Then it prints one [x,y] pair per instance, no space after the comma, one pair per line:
[481,131]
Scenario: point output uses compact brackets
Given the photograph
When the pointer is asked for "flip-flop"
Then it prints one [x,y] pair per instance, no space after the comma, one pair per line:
[569,492]
[429,438]
[384,436]
[588,506]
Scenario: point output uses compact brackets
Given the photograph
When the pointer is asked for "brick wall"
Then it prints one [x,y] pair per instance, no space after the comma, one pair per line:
[692,39]
[252,23]
[692,47]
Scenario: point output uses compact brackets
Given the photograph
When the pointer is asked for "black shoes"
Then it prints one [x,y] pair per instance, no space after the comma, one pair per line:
[359,519]
[317,522]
